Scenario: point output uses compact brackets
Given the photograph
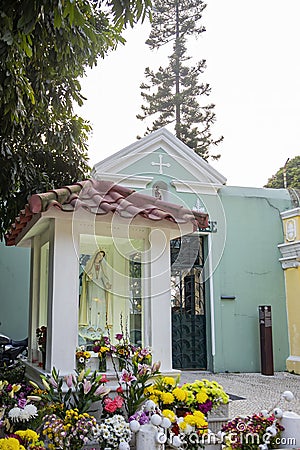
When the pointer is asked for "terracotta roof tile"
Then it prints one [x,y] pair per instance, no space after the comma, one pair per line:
[102,197]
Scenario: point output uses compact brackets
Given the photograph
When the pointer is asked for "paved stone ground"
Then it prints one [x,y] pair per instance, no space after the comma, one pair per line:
[259,391]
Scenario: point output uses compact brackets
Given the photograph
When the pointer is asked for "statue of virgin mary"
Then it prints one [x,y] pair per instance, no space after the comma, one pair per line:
[93,307]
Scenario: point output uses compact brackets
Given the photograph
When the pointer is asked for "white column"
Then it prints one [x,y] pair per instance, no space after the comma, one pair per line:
[211,297]
[63,299]
[160,298]
[34,295]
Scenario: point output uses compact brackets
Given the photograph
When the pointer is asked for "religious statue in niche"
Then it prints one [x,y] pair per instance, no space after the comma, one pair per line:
[157,193]
[94,305]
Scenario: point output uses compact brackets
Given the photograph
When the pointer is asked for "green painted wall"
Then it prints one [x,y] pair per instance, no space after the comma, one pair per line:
[14,291]
[249,269]
[245,264]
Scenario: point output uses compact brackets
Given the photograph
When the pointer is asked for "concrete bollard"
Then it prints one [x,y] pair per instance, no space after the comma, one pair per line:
[290,437]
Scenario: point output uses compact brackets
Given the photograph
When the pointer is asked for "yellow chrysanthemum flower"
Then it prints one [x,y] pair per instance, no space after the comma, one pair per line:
[202,396]
[169,414]
[28,435]
[154,398]
[199,414]
[10,444]
[169,380]
[182,425]
[180,394]
[167,398]
[190,419]
[149,390]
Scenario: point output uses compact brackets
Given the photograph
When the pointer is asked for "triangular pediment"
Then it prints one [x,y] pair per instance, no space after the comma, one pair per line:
[158,154]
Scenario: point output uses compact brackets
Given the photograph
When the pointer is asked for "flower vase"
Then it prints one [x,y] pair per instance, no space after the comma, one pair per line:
[122,364]
[102,364]
[43,359]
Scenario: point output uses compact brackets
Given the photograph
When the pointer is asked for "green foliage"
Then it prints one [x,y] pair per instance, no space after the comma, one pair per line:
[290,171]
[172,94]
[45,46]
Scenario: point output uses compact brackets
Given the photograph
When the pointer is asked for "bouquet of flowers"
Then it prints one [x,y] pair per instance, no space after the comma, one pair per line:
[198,396]
[251,432]
[102,347]
[113,432]
[166,393]
[133,382]
[14,405]
[204,395]
[142,355]
[123,350]
[72,432]
[79,393]
[81,357]
[22,440]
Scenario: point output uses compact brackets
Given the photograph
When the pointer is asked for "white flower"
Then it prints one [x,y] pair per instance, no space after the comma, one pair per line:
[28,412]
[14,414]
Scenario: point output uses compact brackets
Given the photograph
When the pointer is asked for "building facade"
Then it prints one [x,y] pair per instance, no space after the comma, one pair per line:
[216,291]
[220,275]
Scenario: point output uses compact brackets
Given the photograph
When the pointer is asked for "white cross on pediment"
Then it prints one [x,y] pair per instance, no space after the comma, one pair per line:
[161,164]
[199,207]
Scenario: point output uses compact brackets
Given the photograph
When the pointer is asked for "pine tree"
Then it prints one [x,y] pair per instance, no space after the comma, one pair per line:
[172,94]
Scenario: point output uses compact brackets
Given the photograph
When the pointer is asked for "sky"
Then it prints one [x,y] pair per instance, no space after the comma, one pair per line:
[253,68]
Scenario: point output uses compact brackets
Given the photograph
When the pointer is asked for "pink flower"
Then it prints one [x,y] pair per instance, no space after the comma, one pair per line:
[22,403]
[155,367]
[101,390]
[143,369]
[110,406]
[87,386]
[53,382]
[119,336]
[106,340]
[144,352]
[127,377]
[69,380]
[118,401]
[103,379]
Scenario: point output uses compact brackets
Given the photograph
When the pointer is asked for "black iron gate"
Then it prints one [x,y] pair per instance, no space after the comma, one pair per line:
[188,303]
